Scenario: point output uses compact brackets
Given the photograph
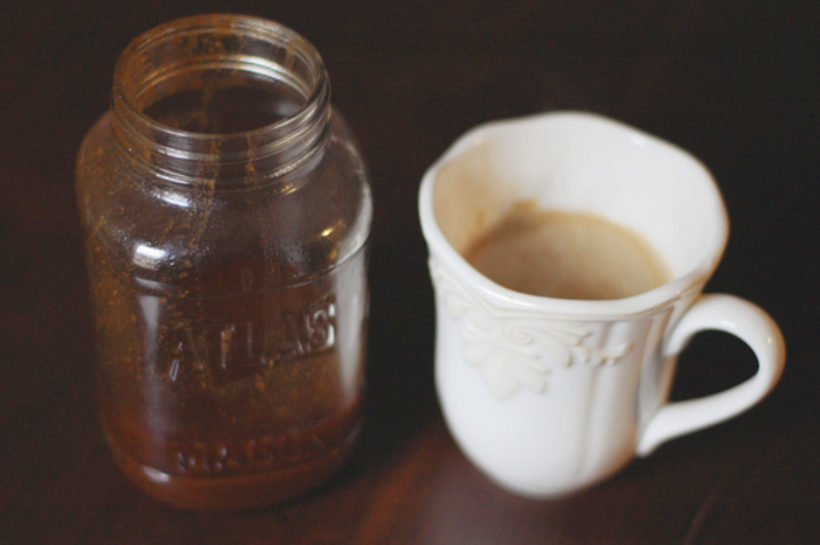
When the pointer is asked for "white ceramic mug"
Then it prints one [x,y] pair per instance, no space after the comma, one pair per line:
[548,395]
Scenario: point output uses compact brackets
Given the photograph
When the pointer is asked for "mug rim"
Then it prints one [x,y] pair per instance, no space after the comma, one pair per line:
[643,303]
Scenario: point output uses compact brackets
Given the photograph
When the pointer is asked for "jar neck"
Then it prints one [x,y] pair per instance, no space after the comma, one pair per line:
[224,99]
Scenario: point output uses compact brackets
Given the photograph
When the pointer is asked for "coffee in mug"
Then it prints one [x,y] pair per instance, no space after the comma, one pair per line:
[569,255]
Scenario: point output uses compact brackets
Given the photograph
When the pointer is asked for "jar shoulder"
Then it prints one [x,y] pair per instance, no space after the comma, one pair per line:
[316,217]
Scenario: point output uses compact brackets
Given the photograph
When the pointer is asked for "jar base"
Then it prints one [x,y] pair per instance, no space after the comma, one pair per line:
[235,492]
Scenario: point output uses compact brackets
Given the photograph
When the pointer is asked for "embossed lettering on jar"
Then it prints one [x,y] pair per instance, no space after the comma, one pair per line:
[227,210]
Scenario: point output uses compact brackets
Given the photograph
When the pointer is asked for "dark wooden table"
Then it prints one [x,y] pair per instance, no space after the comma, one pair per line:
[734,82]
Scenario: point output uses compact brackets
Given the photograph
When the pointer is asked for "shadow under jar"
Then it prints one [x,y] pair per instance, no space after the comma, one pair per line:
[226,210]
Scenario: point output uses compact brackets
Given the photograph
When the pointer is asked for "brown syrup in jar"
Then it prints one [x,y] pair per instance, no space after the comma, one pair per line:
[231,400]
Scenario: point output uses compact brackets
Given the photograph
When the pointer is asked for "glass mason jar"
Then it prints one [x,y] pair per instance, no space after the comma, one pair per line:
[226,210]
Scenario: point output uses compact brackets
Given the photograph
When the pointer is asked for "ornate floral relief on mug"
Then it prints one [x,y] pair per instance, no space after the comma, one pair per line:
[512,347]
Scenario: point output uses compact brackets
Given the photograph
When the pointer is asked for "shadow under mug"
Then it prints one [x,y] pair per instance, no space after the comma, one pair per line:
[547,395]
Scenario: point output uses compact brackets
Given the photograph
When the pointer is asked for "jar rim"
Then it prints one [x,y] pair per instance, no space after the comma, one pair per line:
[158,53]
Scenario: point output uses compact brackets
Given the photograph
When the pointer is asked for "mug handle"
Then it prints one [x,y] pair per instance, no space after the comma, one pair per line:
[740,318]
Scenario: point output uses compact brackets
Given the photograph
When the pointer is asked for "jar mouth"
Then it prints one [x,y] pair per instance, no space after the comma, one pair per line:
[232,94]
